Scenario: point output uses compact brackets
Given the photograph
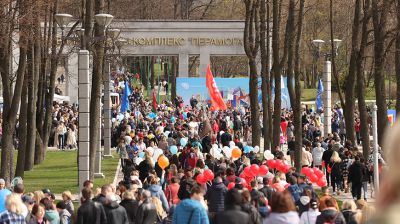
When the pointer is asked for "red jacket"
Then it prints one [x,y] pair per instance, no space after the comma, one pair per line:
[171,193]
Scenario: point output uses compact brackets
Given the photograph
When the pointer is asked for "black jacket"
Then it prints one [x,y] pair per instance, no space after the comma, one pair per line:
[91,212]
[131,207]
[147,213]
[216,197]
[356,171]
[326,156]
[116,214]
[268,192]
[232,215]
[100,199]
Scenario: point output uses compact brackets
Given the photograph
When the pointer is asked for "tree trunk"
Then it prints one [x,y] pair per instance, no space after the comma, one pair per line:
[95,96]
[152,73]
[397,57]
[379,18]
[32,98]
[333,54]
[351,77]
[298,129]
[173,78]
[360,83]
[251,45]
[265,73]
[276,69]
[11,97]
[22,129]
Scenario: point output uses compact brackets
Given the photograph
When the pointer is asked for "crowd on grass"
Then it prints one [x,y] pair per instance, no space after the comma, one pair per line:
[188,164]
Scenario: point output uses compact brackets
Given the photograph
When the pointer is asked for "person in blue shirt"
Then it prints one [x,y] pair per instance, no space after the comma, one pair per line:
[191,210]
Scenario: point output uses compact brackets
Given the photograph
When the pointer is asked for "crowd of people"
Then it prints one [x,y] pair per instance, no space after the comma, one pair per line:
[188,164]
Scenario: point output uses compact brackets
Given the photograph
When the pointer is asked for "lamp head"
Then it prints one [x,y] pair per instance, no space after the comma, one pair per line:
[113,33]
[318,43]
[103,19]
[63,19]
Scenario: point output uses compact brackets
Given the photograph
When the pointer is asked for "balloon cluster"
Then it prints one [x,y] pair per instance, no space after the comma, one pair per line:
[315,175]
[278,164]
[204,177]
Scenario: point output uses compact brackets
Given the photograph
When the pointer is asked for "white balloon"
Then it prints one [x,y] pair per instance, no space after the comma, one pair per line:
[256,149]
[268,155]
[215,146]
[227,151]
[232,144]
[215,153]
[150,150]
[166,133]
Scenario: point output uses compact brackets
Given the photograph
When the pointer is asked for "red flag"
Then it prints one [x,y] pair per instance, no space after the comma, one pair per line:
[217,103]
[154,100]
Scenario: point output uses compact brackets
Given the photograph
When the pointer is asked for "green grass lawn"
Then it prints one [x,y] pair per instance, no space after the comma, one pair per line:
[59,172]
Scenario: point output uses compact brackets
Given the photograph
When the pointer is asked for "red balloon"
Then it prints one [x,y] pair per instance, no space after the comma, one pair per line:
[209,175]
[271,163]
[310,172]
[305,171]
[319,173]
[286,169]
[231,185]
[278,163]
[313,178]
[247,171]
[263,170]
[281,166]
[254,169]
[315,169]
[321,182]
[201,179]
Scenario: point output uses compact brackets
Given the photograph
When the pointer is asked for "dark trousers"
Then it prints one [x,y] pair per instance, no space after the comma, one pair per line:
[336,182]
[356,190]
[327,175]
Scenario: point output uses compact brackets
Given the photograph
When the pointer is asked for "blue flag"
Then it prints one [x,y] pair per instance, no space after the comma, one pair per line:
[125,99]
[318,100]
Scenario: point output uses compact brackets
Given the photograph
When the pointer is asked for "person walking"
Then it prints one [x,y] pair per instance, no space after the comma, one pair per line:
[233,213]
[283,210]
[130,204]
[13,214]
[356,171]
[215,197]
[147,211]
[330,214]
[326,158]
[317,153]
[90,211]
[336,175]
[115,213]
[310,216]
[191,210]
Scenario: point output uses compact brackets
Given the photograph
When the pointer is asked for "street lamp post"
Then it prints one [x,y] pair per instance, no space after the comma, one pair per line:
[104,21]
[327,81]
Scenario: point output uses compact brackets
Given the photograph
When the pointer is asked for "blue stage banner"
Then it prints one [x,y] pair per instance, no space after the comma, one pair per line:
[234,91]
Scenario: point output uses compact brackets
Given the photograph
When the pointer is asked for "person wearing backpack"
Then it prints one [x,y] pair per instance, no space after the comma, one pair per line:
[330,215]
